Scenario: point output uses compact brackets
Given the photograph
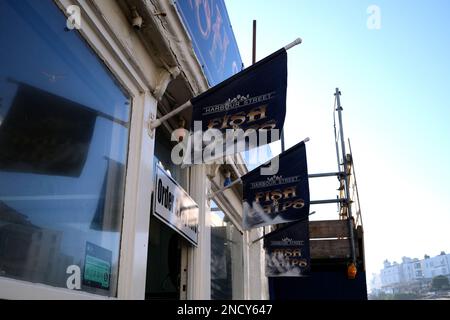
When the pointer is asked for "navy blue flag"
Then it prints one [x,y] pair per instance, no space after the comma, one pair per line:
[254,98]
[279,198]
[287,250]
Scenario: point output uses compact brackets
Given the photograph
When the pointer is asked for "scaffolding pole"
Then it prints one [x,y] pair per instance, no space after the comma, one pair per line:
[346,179]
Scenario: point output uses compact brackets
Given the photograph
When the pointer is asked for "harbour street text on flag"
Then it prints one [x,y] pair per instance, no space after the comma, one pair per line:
[278,198]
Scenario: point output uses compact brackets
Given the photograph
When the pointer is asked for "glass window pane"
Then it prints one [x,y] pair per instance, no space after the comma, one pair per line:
[227,264]
[64,125]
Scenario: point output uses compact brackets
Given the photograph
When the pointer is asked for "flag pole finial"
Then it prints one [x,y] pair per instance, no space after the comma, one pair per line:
[293,44]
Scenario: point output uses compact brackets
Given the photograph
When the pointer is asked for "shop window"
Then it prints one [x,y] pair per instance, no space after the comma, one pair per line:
[64,126]
[227,264]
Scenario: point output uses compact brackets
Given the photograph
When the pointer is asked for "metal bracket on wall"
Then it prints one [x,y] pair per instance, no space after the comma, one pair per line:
[213,169]
[150,130]
[165,77]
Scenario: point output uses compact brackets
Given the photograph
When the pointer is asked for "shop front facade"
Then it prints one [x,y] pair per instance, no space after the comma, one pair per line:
[88,193]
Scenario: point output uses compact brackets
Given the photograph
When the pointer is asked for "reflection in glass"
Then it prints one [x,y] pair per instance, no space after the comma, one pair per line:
[227,266]
[45,134]
[63,148]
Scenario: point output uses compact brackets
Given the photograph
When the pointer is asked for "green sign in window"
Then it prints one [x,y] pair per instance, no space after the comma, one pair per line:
[97,267]
[97,270]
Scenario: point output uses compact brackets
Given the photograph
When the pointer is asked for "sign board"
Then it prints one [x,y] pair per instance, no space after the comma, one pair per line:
[174,207]
[97,267]
[209,27]
[287,251]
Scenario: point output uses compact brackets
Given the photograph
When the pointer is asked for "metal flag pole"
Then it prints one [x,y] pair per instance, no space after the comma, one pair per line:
[356,184]
[254,43]
[212,195]
[293,44]
[153,124]
[346,180]
[336,135]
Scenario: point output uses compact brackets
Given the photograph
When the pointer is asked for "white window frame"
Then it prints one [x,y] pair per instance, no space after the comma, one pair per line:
[99,34]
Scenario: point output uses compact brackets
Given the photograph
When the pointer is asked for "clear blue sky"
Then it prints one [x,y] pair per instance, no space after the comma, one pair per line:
[395,85]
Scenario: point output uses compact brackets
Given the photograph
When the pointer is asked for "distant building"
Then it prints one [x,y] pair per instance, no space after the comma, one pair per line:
[411,274]
[436,266]
[411,270]
[390,276]
[375,284]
